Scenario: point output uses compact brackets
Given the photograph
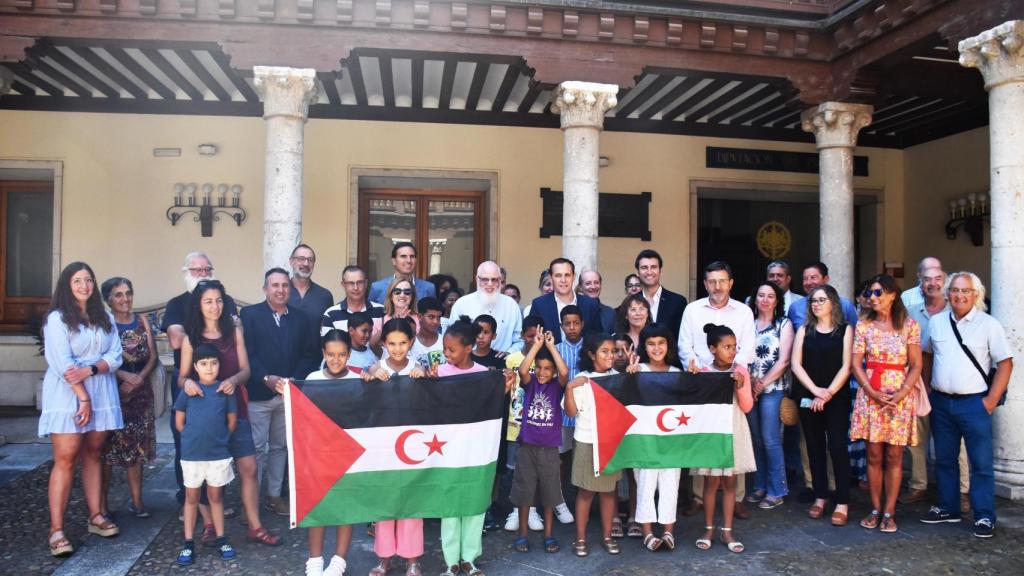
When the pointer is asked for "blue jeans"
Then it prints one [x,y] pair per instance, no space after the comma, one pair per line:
[766,433]
[967,418]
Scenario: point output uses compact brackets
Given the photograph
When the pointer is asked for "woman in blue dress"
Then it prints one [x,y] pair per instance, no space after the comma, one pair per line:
[80,398]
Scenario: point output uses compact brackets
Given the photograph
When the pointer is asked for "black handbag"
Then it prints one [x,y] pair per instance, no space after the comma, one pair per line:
[988,376]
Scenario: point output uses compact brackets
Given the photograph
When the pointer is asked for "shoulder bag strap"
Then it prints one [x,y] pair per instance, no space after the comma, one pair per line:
[967,351]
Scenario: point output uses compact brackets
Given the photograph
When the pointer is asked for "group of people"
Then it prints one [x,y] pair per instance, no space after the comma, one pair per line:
[865,376]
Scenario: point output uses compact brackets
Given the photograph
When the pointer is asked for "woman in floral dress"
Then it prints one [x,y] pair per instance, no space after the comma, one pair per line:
[884,412]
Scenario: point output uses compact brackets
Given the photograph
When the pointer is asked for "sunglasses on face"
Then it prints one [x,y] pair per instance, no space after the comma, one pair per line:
[877,292]
[401,291]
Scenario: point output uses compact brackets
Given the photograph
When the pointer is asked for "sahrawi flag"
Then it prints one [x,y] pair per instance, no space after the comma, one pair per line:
[401,448]
[662,420]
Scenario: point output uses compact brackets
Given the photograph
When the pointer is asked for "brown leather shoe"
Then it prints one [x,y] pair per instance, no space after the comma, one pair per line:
[839,519]
[914,496]
[965,504]
[741,511]
[815,511]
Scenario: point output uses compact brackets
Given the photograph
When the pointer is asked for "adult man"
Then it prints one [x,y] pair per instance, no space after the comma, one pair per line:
[279,342]
[549,306]
[590,284]
[305,295]
[197,267]
[816,274]
[488,299]
[778,274]
[717,308]
[403,259]
[353,282]
[915,295]
[666,306]
[963,397]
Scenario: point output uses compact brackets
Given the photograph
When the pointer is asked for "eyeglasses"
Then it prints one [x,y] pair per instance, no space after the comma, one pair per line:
[484,280]
[401,291]
[305,259]
[203,270]
[964,291]
[818,301]
[877,293]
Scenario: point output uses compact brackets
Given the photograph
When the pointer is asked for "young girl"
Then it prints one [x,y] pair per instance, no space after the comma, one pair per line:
[656,355]
[403,537]
[722,344]
[596,359]
[336,348]
[462,538]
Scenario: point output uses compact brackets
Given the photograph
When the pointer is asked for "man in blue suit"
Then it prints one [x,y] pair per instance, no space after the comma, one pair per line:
[403,259]
[549,306]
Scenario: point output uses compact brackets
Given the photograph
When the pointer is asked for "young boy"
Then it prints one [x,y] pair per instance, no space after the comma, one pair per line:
[360,329]
[540,437]
[205,423]
[428,349]
[483,354]
[569,348]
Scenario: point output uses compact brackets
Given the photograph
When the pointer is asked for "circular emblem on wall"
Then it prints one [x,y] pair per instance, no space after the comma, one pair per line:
[773,239]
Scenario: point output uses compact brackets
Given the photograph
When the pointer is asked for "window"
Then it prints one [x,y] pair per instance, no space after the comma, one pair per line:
[446,226]
[26,251]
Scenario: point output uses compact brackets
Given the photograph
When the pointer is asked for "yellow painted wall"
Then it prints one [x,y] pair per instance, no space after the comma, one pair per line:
[115,191]
[937,172]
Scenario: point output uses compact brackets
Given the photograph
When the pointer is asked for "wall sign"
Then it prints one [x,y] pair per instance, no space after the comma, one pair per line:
[773,160]
[619,215]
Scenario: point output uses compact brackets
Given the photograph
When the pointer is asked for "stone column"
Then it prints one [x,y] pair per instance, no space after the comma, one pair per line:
[999,56]
[6,79]
[286,94]
[582,106]
[835,126]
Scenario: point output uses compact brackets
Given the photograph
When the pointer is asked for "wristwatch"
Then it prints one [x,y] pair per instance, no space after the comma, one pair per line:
[95,369]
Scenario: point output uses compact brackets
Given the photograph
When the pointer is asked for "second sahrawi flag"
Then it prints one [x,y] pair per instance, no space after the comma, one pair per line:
[402,448]
[663,420]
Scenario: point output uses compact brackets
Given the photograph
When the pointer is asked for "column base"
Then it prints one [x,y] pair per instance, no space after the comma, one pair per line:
[1009,479]
[1013,492]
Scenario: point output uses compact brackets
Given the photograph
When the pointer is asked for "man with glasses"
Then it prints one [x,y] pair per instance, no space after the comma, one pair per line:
[305,295]
[354,283]
[403,259]
[196,269]
[965,391]
[488,299]
[666,306]
[915,295]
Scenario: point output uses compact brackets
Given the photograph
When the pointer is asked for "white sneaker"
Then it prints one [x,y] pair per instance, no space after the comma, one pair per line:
[512,522]
[536,523]
[563,513]
[315,566]
[336,567]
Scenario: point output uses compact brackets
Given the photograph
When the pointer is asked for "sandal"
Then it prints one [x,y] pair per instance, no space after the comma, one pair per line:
[470,569]
[815,511]
[522,545]
[652,542]
[734,546]
[871,520]
[610,546]
[59,546]
[412,568]
[633,529]
[551,545]
[579,548]
[104,528]
[382,567]
[669,540]
[888,524]
[616,528]
[263,536]
[452,570]
[705,543]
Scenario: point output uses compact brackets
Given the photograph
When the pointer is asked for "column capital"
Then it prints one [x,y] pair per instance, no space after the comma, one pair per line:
[583,104]
[285,91]
[997,53]
[836,124]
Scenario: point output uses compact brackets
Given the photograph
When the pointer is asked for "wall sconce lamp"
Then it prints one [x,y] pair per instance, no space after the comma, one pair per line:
[969,212]
[206,209]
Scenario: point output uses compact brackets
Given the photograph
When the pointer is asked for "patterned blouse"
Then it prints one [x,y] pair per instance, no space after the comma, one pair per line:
[766,354]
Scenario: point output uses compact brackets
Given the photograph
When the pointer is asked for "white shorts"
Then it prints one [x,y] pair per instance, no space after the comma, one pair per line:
[214,472]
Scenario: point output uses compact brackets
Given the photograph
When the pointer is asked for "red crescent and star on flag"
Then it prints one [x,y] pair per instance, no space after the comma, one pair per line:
[434,446]
[681,420]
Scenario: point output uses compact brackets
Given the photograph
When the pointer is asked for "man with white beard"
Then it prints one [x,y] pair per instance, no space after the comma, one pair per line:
[197,268]
[488,299]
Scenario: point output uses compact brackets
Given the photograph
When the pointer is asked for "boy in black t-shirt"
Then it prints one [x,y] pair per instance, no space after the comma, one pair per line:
[483,354]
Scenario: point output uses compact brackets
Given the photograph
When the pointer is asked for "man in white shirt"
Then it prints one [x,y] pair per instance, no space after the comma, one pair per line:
[915,295]
[964,394]
[666,306]
[488,299]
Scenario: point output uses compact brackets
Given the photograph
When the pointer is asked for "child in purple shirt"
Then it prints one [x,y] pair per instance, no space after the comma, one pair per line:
[537,461]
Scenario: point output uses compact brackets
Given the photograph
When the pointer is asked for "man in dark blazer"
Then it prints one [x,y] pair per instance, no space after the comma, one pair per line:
[590,285]
[279,343]
[548,306]
[666,306]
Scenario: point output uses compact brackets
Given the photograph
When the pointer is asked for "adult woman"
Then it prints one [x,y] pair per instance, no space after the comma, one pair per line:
[401,301]
[884,413]
[442,283]
[634,316]
[206,323]
[448,298]
[632,285]
[135,444]
[80,400]
[512,291]
[821,364]
[770,380]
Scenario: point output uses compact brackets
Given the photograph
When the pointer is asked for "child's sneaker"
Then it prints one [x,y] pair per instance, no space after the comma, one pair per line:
[336,567]
[227,552]
[535,522]
[512,522]
[186,556]
[315,566]
[563,514]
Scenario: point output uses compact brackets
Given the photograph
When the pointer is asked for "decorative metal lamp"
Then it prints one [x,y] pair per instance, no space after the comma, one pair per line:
[208,209]
[970,213]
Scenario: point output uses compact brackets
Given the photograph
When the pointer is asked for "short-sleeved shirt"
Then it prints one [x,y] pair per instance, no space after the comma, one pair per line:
[952,370]
[362,359]
[490,360]
[451,370]
[175,314]
[323,375]
[919,312]
[424,355]
[337,316]
[542,414]
[206,434]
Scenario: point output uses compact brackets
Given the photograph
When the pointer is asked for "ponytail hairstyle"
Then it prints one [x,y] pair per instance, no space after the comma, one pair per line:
[464,330]
[716,332]
[591,343]
[335,335]
[403,325]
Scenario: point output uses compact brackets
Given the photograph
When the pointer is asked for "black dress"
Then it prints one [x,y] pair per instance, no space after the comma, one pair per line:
[822,359]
